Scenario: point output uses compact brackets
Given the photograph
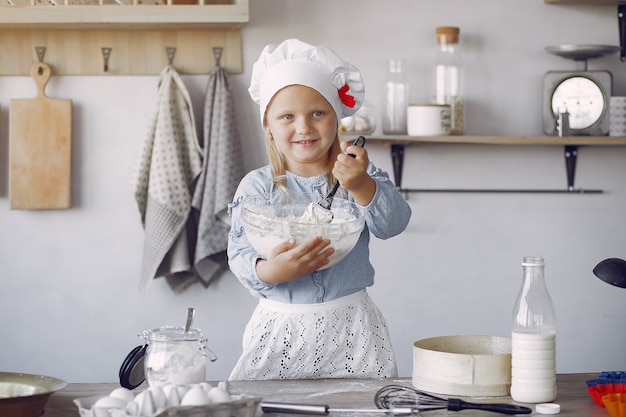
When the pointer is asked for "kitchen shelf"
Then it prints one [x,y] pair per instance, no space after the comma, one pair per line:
[587,2]
[123,13]
[570,145]
[136,35]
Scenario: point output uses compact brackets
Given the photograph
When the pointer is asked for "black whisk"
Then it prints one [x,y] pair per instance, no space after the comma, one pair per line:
[400,396]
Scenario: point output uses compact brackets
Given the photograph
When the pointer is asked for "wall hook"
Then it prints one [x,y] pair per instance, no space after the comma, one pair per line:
[106,54]
[217,54]
[41,52]
[171,51]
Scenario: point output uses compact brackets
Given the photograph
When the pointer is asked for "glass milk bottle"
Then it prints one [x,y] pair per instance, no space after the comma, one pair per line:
[447,78]
[396,99]
[533,353]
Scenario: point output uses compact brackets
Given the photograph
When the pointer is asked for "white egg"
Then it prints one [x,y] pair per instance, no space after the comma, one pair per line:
[172,394]
[123,394]
[110,402]
[167,388]
[195,396]
[182,390]
[206,386]
[224,385]
[147,407]
[158,397]
[348,123]
[218,395]
[100,412]
[132,408]
[139,398]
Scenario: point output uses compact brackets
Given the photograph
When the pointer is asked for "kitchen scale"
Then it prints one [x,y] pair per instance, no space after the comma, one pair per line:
[583,94]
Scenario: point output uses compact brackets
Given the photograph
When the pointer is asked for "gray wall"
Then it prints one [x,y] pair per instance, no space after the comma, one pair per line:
[69,299]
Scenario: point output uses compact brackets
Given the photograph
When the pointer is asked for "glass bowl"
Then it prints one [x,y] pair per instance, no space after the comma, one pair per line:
[271,218]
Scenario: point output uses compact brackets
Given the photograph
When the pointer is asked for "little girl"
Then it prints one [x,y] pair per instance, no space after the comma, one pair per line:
[313,323]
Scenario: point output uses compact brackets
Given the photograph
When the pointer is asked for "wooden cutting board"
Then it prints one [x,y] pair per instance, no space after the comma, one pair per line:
[40,148]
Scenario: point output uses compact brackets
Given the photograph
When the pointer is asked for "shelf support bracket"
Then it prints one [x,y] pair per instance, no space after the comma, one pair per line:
[571,155]
[397,158]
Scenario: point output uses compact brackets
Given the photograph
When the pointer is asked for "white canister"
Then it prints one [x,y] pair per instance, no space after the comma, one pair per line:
[428,119]
[617,116]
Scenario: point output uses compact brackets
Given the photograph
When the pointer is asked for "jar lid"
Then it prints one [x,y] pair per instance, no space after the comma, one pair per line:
[447,34]
[132,370]
[171,334]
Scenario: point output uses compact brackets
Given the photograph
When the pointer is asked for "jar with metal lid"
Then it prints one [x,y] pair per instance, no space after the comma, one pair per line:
[174,356]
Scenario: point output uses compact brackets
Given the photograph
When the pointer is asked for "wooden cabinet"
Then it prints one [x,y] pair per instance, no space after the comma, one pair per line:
[134,33]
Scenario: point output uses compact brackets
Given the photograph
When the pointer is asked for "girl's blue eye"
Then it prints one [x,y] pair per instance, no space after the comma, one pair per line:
[318,113]
[288,117]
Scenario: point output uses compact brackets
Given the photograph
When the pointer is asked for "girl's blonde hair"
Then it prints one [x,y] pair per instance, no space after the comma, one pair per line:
[277,161]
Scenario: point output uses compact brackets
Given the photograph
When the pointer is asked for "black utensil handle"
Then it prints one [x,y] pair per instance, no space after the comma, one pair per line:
[311,409]
[360,141]
[455,404]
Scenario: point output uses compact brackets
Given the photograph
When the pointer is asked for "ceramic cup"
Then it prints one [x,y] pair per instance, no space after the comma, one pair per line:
[617,116]
[428,119]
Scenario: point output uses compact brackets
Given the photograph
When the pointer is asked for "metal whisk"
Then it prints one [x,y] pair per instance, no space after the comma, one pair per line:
[400,396]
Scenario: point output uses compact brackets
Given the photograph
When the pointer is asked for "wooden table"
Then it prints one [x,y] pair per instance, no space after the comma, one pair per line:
[341,393]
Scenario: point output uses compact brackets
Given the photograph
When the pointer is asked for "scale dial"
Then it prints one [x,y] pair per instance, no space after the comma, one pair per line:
[585,95]
[583,98]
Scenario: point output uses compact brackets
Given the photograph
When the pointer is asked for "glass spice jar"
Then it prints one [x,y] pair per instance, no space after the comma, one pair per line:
[396,99]
[174,356]
[448,76]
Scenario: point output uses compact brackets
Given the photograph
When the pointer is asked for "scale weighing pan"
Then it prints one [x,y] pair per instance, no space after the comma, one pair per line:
[582,52]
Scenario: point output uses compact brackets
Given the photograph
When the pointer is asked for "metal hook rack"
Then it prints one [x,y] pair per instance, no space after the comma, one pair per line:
[132,52]
[171,52]
[106,54]
[217,54]
[41,52]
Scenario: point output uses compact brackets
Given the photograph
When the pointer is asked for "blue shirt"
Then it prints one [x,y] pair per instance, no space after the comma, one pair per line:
[386,216]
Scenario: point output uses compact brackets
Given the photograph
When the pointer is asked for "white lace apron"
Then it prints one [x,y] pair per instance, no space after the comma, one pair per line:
[343,338]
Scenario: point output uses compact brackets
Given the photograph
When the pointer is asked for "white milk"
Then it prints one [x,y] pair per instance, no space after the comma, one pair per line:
[533,367]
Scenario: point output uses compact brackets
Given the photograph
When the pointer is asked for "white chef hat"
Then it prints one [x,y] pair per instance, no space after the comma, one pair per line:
[295,62]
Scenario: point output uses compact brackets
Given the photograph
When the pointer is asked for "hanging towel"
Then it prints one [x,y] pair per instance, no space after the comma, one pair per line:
[222,170]
[169,163]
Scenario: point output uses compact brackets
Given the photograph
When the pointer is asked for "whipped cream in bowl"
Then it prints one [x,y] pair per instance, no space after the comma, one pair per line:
[272,218]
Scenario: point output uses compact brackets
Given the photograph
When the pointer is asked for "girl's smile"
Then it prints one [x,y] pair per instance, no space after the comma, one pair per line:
[304,126]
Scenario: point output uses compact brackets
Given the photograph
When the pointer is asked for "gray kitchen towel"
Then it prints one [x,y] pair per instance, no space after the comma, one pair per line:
[222,170]
[169,162]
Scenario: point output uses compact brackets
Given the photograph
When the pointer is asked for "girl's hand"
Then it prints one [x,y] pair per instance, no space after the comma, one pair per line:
[352,173]
[287,261]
